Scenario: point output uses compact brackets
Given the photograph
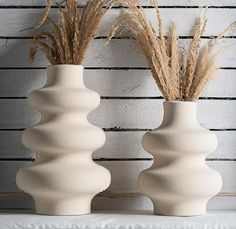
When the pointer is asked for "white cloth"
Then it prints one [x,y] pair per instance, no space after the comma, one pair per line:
[27,220]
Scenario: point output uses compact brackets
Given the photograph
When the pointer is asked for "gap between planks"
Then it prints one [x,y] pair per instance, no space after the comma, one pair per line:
[118,129]
[97,68]
[120,38]
[121,7]
[131,97]
[115,159]
[112,194]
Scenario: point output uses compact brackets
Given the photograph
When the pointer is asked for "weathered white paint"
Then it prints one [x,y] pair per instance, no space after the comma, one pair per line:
[143,2]
[147,113]
[124,174]
[27,115]
[118,53]
[20,83]
[118,83]
[15,22]
[128,145]
[226,145]
[124,113]
[11,146]
[119,144]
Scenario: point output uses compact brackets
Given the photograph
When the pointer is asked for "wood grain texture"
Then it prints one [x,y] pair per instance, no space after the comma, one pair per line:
[147,113]
[110,83]
[19,83]
[119,145]
[16,201]
[124,174]
[8,172]
[124,113]
[15,22]
[143,2]
[11,147]
[118,53]
[19,110]
[128,145]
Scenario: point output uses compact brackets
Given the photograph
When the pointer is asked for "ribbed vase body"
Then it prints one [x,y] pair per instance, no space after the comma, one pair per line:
[179,182]
[63,179]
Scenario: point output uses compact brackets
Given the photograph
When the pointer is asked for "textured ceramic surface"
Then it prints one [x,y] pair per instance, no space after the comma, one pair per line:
[63,179]
[179,182]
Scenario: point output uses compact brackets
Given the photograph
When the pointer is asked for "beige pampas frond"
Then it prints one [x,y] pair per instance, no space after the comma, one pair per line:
[177,79]
[69,39]
[46,12]
[193,55]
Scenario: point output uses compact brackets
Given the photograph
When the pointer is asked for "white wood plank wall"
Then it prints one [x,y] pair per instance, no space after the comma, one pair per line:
[130,105]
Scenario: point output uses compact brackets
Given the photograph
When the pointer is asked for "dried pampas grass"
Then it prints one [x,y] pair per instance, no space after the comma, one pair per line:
[69,39]
[179,77]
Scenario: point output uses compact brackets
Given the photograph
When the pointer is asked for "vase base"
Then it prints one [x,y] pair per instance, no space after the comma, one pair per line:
[180,209]
[71,207]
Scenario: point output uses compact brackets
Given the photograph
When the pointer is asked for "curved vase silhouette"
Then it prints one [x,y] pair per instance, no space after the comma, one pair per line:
[63,179]
[179,182]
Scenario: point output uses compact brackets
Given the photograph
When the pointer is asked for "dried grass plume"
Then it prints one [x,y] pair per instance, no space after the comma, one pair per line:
[179,76]
[70,38]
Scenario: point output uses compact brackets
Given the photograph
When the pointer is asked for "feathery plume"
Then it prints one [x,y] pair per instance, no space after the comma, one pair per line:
[69,40]
[176,78]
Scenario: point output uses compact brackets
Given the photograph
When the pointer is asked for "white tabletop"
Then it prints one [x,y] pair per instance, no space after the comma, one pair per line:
[29,220]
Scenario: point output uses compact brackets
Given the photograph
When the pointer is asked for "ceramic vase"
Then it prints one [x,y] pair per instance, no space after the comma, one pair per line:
[179,182]
[63,179]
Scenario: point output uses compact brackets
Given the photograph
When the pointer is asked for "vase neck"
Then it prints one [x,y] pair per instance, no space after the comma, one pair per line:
[65,76]
[180,114]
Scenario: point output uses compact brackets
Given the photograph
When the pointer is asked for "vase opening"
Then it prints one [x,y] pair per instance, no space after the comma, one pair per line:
[180,113]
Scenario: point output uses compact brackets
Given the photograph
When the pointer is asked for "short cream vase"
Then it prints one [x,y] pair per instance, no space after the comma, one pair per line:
[63,179]
[179,182]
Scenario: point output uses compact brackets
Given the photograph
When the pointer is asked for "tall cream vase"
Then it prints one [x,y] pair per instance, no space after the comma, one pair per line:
[179,182]
[63,179]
